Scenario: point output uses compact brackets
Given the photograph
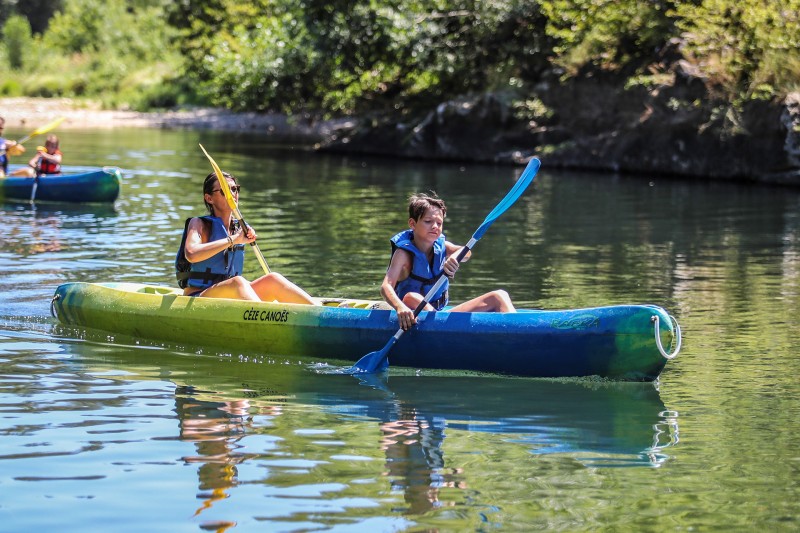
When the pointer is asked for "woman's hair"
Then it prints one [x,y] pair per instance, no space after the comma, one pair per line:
[419,203]
[210,184]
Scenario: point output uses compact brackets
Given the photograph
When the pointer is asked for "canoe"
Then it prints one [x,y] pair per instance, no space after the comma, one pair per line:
[621,342]
[94,186]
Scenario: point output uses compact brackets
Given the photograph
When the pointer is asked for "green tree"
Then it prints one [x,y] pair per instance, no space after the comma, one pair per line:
[38,12]
[610,34]
[748,48]
[17,37]
[350,56]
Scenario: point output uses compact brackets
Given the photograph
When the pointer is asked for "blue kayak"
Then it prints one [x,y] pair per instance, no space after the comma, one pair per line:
[94,186]
[621,342]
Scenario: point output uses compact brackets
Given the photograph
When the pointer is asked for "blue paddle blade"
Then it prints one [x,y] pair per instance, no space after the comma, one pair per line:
[513,195]
[373,361]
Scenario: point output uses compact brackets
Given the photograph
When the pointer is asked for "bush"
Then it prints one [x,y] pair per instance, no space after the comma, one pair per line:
[17,37]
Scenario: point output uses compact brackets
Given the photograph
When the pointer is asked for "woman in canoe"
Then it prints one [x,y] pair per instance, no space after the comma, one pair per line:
[7,148]
[211,256]
[420,256]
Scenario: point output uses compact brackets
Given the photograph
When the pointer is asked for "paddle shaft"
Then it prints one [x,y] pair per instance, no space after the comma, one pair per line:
[257,250]
[35,184]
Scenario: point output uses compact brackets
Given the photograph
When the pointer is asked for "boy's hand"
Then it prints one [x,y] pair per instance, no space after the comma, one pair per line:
[405,317]
[450,266]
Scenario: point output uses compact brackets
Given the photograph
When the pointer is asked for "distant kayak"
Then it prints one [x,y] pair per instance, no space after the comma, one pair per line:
[621,342]
[94,186]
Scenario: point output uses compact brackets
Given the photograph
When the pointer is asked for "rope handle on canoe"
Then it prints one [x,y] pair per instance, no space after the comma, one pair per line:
[677,336]
[53,305]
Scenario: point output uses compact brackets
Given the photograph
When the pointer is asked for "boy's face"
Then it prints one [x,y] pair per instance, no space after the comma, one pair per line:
[429,226]
[51,147]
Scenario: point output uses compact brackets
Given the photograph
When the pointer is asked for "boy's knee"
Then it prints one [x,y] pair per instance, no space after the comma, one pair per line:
[411,300]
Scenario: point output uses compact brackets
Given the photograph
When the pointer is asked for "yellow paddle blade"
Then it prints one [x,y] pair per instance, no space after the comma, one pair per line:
[47,127]
[223,183]
[44,129]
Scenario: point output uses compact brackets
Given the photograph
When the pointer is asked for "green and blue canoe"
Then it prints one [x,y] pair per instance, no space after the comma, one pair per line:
[99,185]
[621,342]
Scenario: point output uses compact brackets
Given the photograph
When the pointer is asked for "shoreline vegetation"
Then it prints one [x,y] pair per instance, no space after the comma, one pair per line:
[705,90]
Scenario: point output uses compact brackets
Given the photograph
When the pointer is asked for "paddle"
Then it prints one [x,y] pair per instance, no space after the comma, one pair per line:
[44,129]
[226,190]
[377,361]
[35,184]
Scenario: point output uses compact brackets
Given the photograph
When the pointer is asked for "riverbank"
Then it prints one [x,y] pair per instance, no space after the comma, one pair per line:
[31,113]
[590,124]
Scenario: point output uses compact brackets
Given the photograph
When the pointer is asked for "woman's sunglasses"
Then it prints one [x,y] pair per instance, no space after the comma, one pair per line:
[235,189]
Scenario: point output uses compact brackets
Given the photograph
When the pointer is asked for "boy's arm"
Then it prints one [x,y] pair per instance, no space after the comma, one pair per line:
[399,269]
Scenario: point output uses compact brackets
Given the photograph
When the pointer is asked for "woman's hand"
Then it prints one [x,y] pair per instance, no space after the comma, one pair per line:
[242,237]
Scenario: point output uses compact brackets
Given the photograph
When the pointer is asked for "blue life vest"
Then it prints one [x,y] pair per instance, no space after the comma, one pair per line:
[203,274]
[423,274]
[3,156]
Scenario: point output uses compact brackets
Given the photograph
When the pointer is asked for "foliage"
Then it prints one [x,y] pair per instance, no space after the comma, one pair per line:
[748,48]
[17,38]
[355,56]
[38,12]
[115,50]
[347,56]
[607,33]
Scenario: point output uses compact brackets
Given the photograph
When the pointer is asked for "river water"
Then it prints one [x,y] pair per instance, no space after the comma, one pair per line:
[141,436]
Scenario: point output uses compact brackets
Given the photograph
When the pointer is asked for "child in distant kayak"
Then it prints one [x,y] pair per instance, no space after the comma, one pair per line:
[420,256]
[211,255]
[7,148]
[46,161]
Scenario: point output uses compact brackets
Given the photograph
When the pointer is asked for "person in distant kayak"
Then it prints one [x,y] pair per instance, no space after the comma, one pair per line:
[211,255]
[420,256]
[46,161]
[7,148]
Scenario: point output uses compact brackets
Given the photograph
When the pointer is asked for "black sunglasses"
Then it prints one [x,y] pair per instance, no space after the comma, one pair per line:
[235,189]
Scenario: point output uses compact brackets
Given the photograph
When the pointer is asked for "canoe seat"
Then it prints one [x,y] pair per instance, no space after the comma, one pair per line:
[159,290]
[356,304]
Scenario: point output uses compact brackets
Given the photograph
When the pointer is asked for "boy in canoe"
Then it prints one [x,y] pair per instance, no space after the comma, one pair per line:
[211,256]
[420,256]
[7,148]
[46,161]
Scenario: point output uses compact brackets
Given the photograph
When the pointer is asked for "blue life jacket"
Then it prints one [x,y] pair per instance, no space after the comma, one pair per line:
[3,156]
[203,274]
[423,274]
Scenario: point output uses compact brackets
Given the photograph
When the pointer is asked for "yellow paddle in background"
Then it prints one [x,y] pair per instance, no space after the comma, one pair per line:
[226,190]
[44,129]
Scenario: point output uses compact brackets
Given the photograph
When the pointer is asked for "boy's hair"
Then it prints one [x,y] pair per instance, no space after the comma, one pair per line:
[53,139]
[419,203]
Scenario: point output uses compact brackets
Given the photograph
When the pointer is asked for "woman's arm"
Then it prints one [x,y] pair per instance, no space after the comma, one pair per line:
[197,248]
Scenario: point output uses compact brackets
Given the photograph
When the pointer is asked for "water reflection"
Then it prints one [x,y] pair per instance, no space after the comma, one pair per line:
[224,406]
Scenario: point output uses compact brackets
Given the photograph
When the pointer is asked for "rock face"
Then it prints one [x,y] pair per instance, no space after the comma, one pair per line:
[594,123]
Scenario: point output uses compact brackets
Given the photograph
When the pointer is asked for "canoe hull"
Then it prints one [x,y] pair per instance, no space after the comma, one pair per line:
[616,342]
[97,186]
